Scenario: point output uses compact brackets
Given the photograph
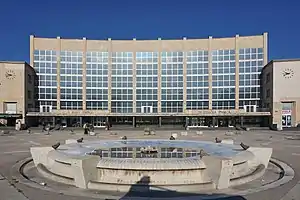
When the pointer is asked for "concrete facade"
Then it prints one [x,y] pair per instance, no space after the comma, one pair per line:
[17,86]
[280,82]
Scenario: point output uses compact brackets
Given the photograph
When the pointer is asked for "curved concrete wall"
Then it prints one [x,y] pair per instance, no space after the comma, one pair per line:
[157,177]
[214,172]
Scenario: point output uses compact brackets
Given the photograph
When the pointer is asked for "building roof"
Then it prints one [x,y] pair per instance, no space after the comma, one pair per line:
[280,60]
[286,60]
[159,38]
[13,62]
[19,62]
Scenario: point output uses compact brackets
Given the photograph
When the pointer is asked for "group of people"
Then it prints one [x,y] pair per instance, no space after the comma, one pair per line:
[88,128]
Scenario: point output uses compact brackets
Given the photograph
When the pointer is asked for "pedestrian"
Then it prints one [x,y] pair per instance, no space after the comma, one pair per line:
[107,126]
[18,125]
[92,128]
[85,127]
[44,126]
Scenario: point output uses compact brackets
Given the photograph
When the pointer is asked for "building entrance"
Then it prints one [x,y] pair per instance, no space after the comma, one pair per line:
[199,122]
[147,109]
[225,122]
[286,114]
[286,120]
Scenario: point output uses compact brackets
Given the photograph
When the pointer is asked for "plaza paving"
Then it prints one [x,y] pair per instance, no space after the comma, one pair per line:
[15,147]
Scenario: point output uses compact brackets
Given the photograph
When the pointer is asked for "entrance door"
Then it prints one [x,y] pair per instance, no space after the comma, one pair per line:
[223,122]
[98,121]
[147,109]
[198,122]
[286,120]
[45,108]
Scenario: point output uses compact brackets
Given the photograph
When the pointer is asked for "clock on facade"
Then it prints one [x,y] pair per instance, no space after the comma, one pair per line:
[288,73]
[10,75]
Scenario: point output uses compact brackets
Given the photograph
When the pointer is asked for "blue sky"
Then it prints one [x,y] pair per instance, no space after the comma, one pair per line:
[148,19]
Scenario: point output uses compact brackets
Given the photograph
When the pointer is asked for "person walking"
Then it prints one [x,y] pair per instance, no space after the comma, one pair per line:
[44,126]
[85,127]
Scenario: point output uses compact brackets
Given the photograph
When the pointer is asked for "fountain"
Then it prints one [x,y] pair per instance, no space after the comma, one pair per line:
[177,165]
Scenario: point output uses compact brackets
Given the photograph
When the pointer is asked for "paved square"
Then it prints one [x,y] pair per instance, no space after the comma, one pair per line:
[15,147]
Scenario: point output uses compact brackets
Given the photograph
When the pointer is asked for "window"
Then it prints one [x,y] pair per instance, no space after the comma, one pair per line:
[197,80]
[45,65]
[172,82]
[29,79]
[97,81]
[122,82]
[146,81]
[250,66]
[71,80]
[268,93]
[71,105]
[29,94]
[48,104]
[268,77]
[11,108]
[223,79]
[287,105]
[250,108]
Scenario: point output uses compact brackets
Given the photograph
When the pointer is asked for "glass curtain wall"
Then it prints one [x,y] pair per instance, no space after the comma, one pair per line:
[45,65]
[121,88]
[223,79]
[250,66]
[71,80]
[97,80]
[171,82]
[146,82]
[197,80]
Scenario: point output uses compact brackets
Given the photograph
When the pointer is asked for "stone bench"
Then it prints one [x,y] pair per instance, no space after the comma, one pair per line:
[184,133]
[199,132]
[227,141]
[175,135]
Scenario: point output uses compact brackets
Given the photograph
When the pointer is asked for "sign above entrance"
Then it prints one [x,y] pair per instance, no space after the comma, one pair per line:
[215,112]
[286,112]
[5,116]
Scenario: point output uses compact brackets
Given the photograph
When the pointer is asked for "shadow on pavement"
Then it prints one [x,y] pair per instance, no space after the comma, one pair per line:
[142,190]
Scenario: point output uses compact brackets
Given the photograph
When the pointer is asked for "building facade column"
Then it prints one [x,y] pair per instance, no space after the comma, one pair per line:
[294,114]
[186,122]
[109,74]
[265,48]
[80,121]
[133,122]
[210,72]
[242,120]
[84,74]
[184,76]
[237,72]
[213,122]
[58,50]
[159,76]
[32,50]
[134,80]
[159,121]
[24,118]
